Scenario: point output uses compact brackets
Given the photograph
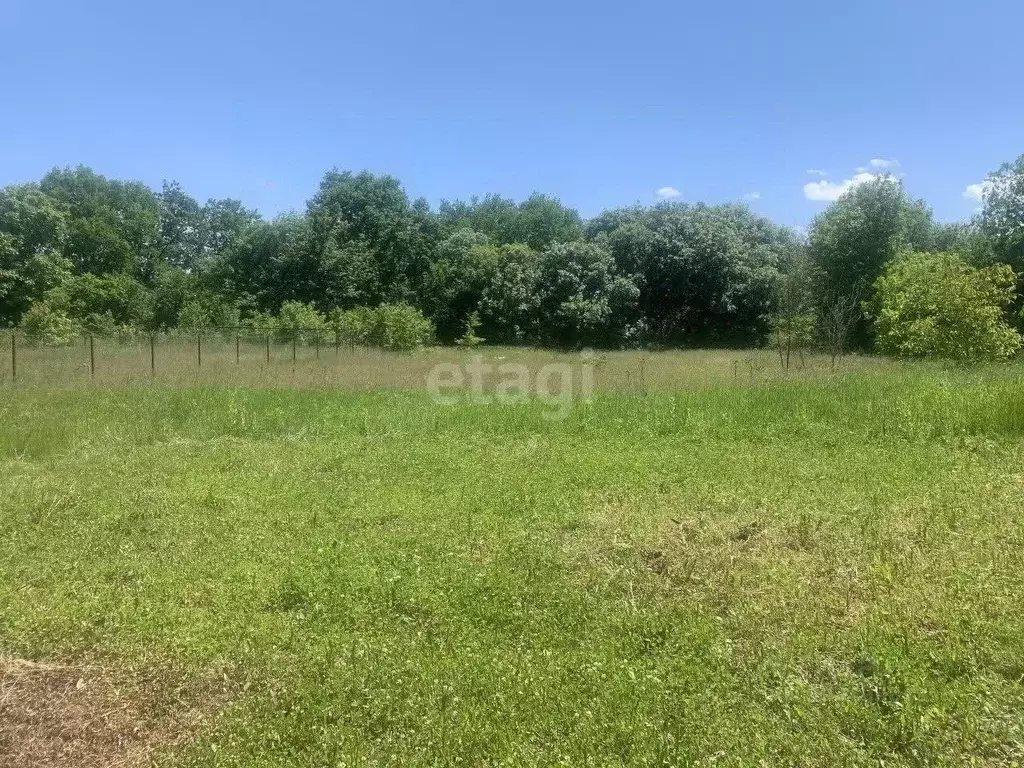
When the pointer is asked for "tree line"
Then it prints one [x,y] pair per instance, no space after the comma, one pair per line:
[82,252]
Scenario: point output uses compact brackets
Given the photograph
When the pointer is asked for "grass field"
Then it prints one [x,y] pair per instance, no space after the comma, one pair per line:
[711,563]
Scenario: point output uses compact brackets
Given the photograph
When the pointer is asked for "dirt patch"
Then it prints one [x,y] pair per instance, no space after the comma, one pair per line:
[87,717]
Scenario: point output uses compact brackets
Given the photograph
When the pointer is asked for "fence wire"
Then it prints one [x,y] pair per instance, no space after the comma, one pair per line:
[132,356]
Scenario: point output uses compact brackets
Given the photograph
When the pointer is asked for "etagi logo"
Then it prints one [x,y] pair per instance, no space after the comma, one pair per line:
[554,384]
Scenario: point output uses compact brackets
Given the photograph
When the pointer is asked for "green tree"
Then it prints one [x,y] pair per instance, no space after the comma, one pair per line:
[33,237]
[180,226]
[251,271]
[124,299]
[510,304]
[1000,237]
[464,265]
[792,321]
[538,221]
[44,325]
[373,212]
[172,289]
[469,338]
[191,234]
[853,240]
[341,274]
[705,273]
[584,299]
[113,225]
[937,305]
[222,223]
[1003,213]
[543,221]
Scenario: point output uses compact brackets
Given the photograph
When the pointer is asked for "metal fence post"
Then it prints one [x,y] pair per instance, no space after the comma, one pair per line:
[14,356]
[199,349]
[268,350]
[152,355]
[316,338]
[92,357]
[294,344]
[237,352]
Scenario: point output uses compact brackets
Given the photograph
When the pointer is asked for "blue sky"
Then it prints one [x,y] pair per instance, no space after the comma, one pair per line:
[599,103]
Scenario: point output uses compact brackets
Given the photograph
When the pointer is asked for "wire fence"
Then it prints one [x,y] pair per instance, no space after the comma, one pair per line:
[325,358]
[128,356]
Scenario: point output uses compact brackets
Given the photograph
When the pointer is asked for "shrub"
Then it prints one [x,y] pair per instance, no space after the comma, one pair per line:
[299,322]
[258,326]
[469,339]
[100,324]
[353,327]
[223,315]
[401,327]
[396,327]
[42,324]
[193,315]
[937,305]
[791,332]
[120,297]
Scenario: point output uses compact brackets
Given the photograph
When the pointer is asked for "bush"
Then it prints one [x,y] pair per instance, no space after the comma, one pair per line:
[193,315]
[469,339]
[209,317]
[401,327]
[353,327]
[937,305]
[100,324]
[223,315]
[397,327]
[790,332]
[299,322]
[258,326]
[120,297]
[42,324]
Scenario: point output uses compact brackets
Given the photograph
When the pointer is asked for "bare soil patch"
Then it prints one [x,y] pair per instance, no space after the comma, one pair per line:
[85,716]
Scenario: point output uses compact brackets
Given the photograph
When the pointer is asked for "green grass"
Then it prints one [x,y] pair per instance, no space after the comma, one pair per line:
[823,570]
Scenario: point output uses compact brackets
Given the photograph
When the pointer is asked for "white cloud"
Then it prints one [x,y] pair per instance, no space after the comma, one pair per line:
[977,192]
[667,193]
[828,191]
[817,172]
[752,196]
[881,163]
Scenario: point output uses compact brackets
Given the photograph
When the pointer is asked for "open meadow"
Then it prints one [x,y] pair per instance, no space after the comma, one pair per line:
[711,561]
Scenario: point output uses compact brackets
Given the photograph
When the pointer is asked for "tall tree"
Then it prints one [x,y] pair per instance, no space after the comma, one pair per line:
[853,240]
[538,221]
[463,267]
[373,212]
[113,225]
[1003,213]
[510,303]
[180,225]
[251,269]
[33,237]
[222,223]
[584,299]
[705,273]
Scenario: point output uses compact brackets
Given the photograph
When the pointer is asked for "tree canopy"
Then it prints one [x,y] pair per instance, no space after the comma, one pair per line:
[81,250]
